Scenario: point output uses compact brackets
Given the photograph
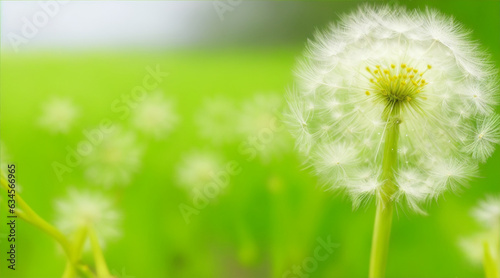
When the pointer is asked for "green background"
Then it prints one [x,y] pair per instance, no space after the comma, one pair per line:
[270,215]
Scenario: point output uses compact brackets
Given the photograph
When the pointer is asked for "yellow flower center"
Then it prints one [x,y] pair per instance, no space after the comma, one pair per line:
[397,84]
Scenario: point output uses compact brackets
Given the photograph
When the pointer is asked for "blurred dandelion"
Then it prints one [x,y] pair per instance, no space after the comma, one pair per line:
[260,125]
[155,116]
[115,159]
[84,210]
[397,105]
[58,115]
[217,120]
[484,247]
[197,169]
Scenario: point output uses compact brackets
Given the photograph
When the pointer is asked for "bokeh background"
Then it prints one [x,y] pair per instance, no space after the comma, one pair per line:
[227,75]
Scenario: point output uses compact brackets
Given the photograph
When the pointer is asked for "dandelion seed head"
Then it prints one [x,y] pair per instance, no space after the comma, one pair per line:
[84,209]
[155,116]
[58,115]
[382,61]
[113,161]
[487,212]
[198,168]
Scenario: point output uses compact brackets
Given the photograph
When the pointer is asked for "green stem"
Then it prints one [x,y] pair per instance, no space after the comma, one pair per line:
[76,252]
[30,216]
[100,262]
[383,216]
[489,263]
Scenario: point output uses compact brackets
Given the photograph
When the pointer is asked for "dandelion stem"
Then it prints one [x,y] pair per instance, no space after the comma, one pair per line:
[383,217]
[100,262]
[30,216]
[76,250]
[489,263]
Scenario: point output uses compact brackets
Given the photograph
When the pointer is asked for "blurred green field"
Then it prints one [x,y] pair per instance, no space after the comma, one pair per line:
[270,215]
[253,229]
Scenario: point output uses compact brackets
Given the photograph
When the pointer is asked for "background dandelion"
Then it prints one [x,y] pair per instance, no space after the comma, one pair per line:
[483,248]
[114,160]
[58,115]
[155,115]
[197,169]
[217,120]
[84,209]
[260,124]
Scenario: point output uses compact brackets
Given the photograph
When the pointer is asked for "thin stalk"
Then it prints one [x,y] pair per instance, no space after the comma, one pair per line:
[76,251]
[489,263]
[383,216]
[30,216]
[100,262]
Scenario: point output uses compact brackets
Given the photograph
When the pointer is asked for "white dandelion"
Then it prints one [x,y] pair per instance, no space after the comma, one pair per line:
[58,115]
[409,78]
[114,160]
[84,210]
[404,94]
[155,116]
[217,120]
[197,169]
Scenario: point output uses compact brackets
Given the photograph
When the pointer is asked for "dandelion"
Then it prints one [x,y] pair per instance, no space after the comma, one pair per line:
[114,160]
[197,169]
[395,105]
[261,128]
[155,116]
[484,247]
[85,210]
[58,115]
[217,120]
